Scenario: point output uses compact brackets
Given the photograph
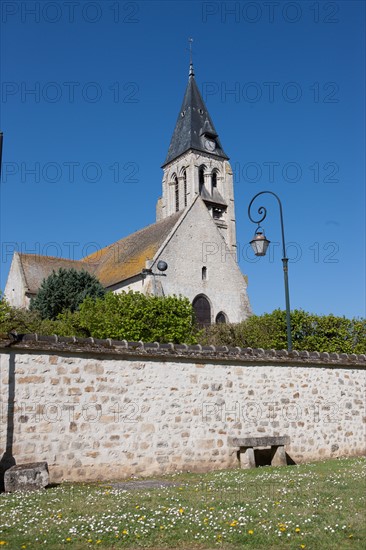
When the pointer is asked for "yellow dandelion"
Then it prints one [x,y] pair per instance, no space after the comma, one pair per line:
[302,546]
[250,532]
[137,507]
[124,532]
[233,523]
[68,539]
[24,546]
[212,508]
[89,540]
[162,527]
[181,510]
[98,541]
[350,536]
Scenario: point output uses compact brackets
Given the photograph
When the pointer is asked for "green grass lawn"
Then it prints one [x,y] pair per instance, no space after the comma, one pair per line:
[312,506]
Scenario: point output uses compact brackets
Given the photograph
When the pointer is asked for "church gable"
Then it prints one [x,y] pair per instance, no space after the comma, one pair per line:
[16,285]
[201,264]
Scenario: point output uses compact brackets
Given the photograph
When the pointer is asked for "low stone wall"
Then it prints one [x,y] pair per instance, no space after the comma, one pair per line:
[98,410]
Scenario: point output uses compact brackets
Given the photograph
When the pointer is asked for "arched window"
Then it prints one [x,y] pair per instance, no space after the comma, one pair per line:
[221,318]
[176,191]
[185,187]
[202,310]
[204,273]
[201,179]
[214,181]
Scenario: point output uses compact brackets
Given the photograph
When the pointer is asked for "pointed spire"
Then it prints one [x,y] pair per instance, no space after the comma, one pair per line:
[194,129]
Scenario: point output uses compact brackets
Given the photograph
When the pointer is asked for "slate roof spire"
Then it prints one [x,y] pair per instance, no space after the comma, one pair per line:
[194,125]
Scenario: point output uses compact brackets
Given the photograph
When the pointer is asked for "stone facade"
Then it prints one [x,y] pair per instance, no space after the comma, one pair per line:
[205,250]
[106,410]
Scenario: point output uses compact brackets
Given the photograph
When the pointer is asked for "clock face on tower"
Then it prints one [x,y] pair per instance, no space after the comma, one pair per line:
[210,145]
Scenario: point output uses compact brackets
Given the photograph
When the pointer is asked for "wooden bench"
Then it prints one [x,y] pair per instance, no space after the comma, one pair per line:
[246,449]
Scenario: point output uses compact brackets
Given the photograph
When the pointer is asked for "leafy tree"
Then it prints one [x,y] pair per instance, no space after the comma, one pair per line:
[65,290]
[134,316]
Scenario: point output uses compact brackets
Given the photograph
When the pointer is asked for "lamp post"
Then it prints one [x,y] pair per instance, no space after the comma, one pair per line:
[260,244]
[162,266]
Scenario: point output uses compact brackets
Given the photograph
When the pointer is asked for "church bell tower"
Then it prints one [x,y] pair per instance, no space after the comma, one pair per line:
[196,164]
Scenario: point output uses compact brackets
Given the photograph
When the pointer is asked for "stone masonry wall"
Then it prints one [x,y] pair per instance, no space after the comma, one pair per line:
[98,410]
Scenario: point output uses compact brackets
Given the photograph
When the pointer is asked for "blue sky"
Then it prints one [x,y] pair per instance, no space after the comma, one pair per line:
[284,84]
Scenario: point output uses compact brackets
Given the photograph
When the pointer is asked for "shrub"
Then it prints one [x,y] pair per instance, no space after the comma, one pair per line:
[131,316]
[309,332]
[134,316]
[5,309]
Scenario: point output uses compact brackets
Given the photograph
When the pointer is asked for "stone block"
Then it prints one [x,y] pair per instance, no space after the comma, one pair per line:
[26,477]
[279,456]
[247,458]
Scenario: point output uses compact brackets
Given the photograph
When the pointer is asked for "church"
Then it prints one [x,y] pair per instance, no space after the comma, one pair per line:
[189,251]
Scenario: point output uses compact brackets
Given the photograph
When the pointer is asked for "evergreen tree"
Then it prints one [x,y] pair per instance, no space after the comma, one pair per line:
[65,290]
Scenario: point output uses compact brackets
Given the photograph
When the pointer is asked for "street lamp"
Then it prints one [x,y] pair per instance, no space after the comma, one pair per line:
[260,243]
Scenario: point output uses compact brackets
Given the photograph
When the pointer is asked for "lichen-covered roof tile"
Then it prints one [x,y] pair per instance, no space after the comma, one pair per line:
[127,257]
[111,265]
[36,268]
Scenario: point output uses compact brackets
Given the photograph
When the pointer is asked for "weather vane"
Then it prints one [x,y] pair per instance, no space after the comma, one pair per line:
[190,40]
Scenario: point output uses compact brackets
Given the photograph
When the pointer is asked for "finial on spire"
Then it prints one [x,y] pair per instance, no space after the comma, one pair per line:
[191,71]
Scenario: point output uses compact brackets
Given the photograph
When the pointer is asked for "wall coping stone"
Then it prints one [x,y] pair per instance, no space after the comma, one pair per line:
[67,344]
